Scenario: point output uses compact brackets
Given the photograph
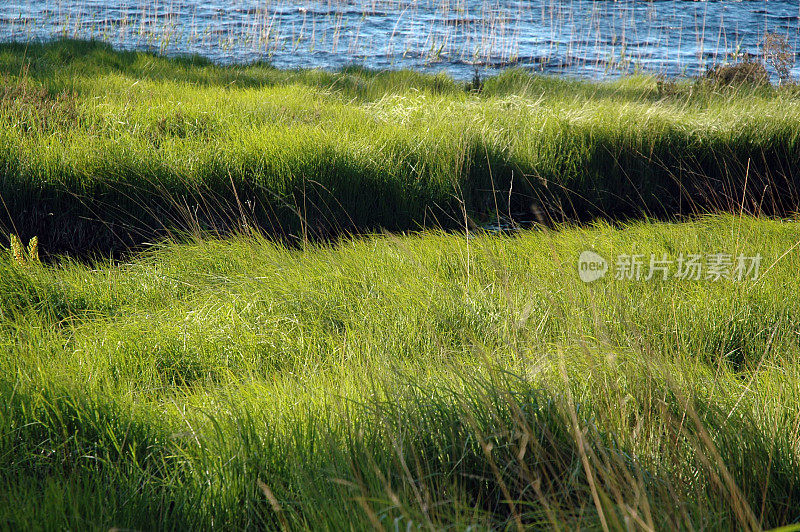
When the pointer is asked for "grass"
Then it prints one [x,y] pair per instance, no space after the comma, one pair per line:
[429,381]
[440,380]
[103,150]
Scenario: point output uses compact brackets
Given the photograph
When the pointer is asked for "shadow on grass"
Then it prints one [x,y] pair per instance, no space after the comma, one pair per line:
[319,191]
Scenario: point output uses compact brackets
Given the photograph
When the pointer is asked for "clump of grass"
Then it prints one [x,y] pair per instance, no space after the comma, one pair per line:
[741,73]
[778,53]
[30,108]
[667,87]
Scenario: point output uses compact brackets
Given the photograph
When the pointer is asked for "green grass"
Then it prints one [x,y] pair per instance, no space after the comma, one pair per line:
[101,150]
[418,381]
[430,381]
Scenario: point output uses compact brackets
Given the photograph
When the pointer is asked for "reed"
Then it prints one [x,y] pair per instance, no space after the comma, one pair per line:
[586,37]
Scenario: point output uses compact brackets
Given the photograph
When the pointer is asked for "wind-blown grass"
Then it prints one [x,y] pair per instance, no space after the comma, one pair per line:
[102,150]
[431,381]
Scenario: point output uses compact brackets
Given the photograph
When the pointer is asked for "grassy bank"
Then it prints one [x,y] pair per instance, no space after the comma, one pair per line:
[102,150]
[425,382]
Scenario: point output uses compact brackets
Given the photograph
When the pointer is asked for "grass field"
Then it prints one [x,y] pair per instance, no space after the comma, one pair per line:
[432,381]
[278,346]
[101,150]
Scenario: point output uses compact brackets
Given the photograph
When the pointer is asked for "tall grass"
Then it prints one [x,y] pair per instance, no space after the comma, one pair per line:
[431,381]
[102,149]
[584,37]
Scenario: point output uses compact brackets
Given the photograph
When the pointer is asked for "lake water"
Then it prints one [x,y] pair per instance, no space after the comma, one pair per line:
[574,37]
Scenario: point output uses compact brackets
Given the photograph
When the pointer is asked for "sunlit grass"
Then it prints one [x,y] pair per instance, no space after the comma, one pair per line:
[433,380]
[102,150]
[436,380]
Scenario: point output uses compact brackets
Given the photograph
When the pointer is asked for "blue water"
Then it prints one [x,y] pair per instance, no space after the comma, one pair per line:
[585,38]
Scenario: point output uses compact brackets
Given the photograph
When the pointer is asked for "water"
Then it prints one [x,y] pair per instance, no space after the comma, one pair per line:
[584,38]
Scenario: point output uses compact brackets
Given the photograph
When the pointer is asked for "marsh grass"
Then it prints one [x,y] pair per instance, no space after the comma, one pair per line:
[105,150]
[430,381]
